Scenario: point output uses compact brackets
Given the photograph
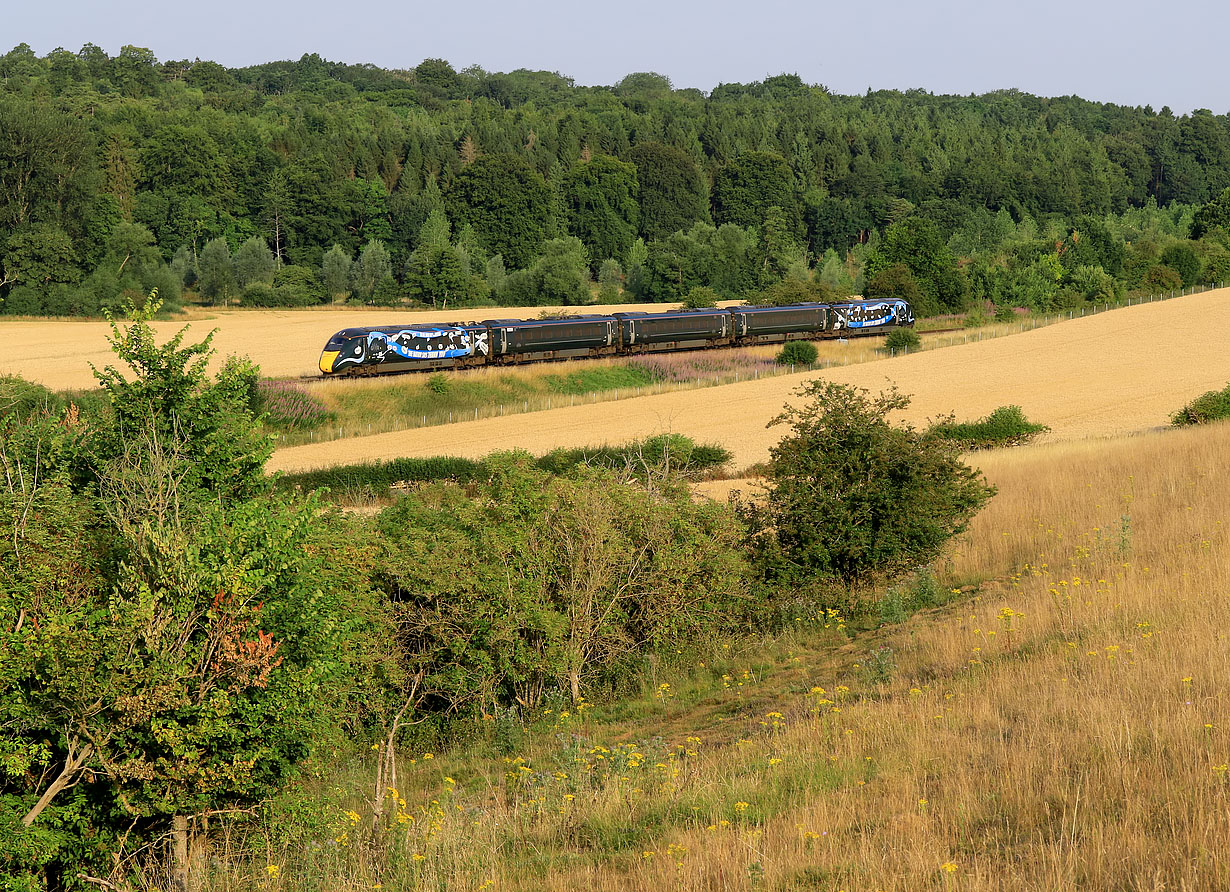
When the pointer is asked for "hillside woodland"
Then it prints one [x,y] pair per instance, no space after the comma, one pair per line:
[295,183]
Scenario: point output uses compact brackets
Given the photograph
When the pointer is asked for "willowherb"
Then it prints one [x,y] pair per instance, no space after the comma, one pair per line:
[681,367]
[287,405]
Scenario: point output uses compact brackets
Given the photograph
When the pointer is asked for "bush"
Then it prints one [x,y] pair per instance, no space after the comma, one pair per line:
[1006,426]
[798,353]
[853,499]
[1211,406]
[902,339]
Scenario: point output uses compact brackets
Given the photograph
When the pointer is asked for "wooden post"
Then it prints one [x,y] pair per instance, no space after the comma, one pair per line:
[179,838]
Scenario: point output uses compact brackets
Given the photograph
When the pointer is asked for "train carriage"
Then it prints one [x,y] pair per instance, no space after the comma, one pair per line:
[753,325]
[673,331]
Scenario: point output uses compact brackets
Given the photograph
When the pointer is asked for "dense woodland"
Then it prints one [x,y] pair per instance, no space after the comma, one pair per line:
[293,183]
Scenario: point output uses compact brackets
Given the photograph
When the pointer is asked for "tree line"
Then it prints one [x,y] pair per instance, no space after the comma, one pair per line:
[299,182]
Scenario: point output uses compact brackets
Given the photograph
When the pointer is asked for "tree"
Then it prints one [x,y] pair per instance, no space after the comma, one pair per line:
[915,242]
[673,193]
[853,498]
[39,256]
[335,271]
[610,280]
[748,186]
[600,204]
[216,271]
[896,282]
[1215,213]
[701,298]
[279,208]
[507,202]
[372,268]
[1181,257]
[254,262]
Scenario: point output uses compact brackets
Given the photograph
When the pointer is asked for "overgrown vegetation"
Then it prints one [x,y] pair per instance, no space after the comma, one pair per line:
[1006,426]
[1213,405]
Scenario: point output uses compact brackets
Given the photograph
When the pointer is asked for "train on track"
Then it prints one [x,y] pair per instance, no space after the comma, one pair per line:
[462,345]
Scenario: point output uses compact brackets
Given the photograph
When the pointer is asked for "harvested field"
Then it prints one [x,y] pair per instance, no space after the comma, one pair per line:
[286,343]
[1116,373]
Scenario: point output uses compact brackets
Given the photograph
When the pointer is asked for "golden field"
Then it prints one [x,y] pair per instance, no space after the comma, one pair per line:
[1115,373]
[1064,725]
[285,343]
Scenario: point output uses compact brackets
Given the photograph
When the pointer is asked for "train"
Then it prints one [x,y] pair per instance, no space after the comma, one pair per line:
[463,345]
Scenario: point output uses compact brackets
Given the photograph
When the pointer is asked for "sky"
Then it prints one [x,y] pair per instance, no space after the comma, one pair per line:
[1123,51]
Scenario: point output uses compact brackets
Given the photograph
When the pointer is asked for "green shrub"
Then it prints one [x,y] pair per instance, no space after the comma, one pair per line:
[902,339]
[798,353]
[1006,426]
[854,499]
[1211,406]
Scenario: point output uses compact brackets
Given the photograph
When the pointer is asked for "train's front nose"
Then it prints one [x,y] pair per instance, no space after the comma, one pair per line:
[327,359]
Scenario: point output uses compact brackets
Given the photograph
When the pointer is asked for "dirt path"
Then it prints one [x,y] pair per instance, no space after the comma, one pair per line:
[1115,373]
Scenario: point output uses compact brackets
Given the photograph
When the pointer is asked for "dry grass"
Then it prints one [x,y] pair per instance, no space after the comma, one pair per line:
[1115,373]
[1067,727]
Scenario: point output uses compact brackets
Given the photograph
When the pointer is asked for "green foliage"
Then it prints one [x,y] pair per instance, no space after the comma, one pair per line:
[559,276]
[1214,214]
[902,339]
[216,271]
[748,186]
[169,405]
[335,271]
[254,262]
[916,244]
[1006,426]
[372,268]
[601,206]
[896,282]
[507,202]
[172,640]
[1211,406]
[701,298]
[610,281]
[797,353]
[1182,258]
[673,194]
[853,498]
[666,453]
[571,581]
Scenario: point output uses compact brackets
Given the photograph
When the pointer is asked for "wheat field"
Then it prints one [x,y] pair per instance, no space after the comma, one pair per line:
[1116,373]
[285,343]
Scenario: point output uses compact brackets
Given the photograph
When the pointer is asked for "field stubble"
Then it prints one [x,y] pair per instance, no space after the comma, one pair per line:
[1065,727]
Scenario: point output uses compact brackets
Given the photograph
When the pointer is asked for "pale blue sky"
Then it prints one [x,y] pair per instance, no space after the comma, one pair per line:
[1124,51]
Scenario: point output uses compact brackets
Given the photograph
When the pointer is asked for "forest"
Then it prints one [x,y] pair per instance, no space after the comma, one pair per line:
[297,183]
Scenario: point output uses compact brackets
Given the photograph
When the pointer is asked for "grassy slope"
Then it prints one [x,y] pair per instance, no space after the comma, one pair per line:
[1065,726]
